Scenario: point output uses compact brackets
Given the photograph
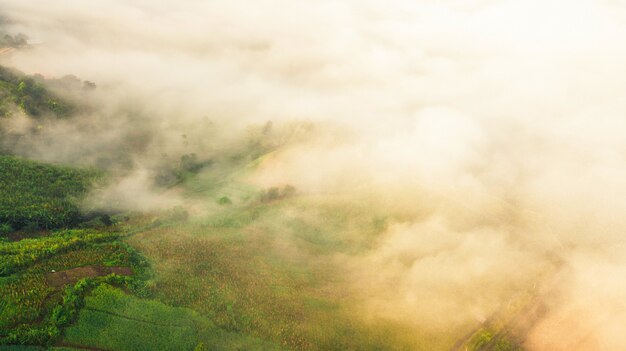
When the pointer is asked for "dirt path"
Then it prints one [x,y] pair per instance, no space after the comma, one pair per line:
[79,347]
[518,325]
[6,50]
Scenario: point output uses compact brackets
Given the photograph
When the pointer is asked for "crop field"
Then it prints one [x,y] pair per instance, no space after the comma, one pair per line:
[113,320]
[28,298]
[20,254]
[235,267]
[241,267]
[249,268]
[40,196]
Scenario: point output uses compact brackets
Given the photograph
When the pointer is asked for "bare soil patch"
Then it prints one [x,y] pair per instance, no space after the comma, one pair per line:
[70,276]
[80,347]
[19,235]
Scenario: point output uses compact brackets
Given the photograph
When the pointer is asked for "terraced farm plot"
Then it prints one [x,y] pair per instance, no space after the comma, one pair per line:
[24,253]
[28,295]
[73,275]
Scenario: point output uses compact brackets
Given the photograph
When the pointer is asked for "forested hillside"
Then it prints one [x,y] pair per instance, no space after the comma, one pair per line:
[26,94]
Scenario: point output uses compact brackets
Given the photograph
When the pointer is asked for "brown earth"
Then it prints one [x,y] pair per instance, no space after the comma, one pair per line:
[6,50]
[70,276]
[77,346]
[19,235]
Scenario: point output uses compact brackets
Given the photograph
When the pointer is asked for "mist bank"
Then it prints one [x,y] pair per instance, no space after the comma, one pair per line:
[492,132]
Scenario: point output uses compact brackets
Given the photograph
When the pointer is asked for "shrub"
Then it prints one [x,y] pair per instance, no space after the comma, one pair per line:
[224,200]
[5,228]
[275,193]
[30,95]
[62,314]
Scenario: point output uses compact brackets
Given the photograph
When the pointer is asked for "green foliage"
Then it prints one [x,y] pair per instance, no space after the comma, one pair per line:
[23,300]
[37,195]
[27,297]
[224,200]
[232,267]
[62,314]
[275,193]
[160,328]
[30,96]
[34,312]
[16,255]
[485,339]
[190,163]
[110,332]
[5,228]
[113,320]
[171,174]
[14,41]
[236,218]
[481,340]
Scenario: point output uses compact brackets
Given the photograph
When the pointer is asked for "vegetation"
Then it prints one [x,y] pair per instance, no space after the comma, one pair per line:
[61,314]
[486,339]
[170,175]
[34,195]
[17,90]
[14,41]
[223,280]
[33,309]
[230,270]
[23,253]
[113,320]
[275,193]
[232,266]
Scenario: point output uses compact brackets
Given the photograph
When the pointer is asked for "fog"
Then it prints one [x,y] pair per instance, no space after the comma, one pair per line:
[496,128]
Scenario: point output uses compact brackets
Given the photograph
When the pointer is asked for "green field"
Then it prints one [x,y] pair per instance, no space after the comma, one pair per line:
[254,272]
[265,267]
[30,305]
[236,267]
[35,196]
[113,320]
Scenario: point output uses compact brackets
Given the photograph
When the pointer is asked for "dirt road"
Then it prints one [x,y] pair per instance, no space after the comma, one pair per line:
[4,51]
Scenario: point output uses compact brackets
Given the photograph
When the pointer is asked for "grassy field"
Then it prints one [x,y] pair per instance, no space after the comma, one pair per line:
[258,271]
[113,320]
[265,265]
[237,268]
